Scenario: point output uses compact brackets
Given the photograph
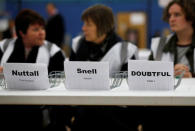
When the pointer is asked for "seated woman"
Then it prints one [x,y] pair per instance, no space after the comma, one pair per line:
[99,42]
[30,46]
[179,46]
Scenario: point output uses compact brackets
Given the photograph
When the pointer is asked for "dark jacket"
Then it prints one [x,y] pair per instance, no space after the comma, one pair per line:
[55,30]
[112,49]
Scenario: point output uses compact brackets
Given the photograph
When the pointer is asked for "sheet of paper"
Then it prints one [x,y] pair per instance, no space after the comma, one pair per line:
[26,76]
[87,75]
[150,75]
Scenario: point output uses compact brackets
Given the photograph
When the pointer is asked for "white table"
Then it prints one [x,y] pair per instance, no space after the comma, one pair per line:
[184,95]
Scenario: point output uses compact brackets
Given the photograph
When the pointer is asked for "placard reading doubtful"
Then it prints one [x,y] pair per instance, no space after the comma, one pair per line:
[150,75]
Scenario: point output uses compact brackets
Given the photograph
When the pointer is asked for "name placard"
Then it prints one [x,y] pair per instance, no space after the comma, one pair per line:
[87,75]
[26,76]
[150,75]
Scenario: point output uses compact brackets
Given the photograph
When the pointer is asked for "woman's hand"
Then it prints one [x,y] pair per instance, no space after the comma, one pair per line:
[179,68]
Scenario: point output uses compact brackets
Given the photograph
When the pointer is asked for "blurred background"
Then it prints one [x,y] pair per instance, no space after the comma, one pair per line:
[136,20]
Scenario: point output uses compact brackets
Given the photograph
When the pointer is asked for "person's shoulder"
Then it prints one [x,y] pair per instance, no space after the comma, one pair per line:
[169,36]
[7,41]
[52,48]
[162,37]
[58,16]
[50,45]
[76,39]
[76,42]
[2,41]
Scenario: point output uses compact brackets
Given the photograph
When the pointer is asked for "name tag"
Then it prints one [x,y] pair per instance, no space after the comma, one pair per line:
[150,75]
[87,75]
[26,76]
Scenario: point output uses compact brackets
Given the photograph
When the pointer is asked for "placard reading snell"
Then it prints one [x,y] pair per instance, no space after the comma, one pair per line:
[26,76]
[150,75]
[87,75]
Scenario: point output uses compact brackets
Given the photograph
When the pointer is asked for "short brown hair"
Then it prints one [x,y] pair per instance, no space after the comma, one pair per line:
[188,7]
[102,16]
[25,18]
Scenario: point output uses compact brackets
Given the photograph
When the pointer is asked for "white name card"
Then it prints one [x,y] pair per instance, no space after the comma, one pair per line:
[150,75]
[87,75]
[26,76]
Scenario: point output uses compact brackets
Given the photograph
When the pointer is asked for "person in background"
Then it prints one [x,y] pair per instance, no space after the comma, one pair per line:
[178,47]
[131,35]
[30,46]
[99,42]
[55,27]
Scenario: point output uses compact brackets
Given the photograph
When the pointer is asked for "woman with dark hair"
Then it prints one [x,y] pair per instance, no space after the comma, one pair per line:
[30,46]
[178,47]
[99,42]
